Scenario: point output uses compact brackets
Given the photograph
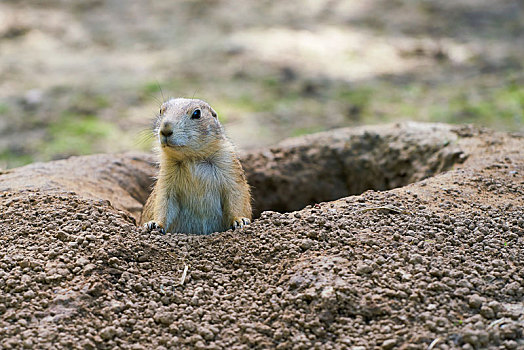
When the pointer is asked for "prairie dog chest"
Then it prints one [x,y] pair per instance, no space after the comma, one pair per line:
[196,188]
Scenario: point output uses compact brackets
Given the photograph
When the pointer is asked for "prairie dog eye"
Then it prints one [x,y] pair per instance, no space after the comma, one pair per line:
[162,109]
[196,114]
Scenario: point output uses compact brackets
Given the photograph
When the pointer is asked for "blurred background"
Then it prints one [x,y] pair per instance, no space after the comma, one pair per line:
[80,77]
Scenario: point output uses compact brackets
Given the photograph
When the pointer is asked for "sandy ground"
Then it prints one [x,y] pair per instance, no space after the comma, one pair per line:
[436,264]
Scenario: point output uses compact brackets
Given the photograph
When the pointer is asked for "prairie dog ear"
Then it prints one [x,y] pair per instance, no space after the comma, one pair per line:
[213,113]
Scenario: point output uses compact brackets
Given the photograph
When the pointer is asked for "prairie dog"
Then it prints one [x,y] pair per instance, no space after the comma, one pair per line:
[201,187]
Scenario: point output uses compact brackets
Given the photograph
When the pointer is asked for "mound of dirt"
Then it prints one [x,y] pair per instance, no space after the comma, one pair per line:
[315,168]
[434,264]
[123,180]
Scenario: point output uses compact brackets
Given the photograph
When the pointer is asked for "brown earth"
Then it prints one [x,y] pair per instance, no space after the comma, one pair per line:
[434,264]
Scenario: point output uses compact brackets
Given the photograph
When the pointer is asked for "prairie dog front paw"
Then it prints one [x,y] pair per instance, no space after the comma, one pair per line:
[153,225]
[239,222]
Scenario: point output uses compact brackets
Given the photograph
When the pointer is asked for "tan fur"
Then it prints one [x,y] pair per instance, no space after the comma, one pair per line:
[201,186]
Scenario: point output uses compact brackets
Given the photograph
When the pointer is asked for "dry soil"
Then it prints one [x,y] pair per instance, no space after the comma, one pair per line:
[437,264]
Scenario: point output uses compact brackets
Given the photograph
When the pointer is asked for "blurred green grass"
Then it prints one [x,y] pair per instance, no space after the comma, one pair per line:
[76,135]
[281,69]
[293,109]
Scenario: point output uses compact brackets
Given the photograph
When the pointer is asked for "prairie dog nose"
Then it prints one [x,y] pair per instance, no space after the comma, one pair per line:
[166,129]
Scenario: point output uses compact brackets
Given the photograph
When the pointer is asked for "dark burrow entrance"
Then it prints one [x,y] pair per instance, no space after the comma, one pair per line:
[336,164]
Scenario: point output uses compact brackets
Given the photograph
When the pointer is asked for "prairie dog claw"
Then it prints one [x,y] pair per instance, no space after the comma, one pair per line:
[152,225]
[239,223]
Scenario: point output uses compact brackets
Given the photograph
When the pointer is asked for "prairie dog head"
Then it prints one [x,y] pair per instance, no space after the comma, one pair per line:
[187,128]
